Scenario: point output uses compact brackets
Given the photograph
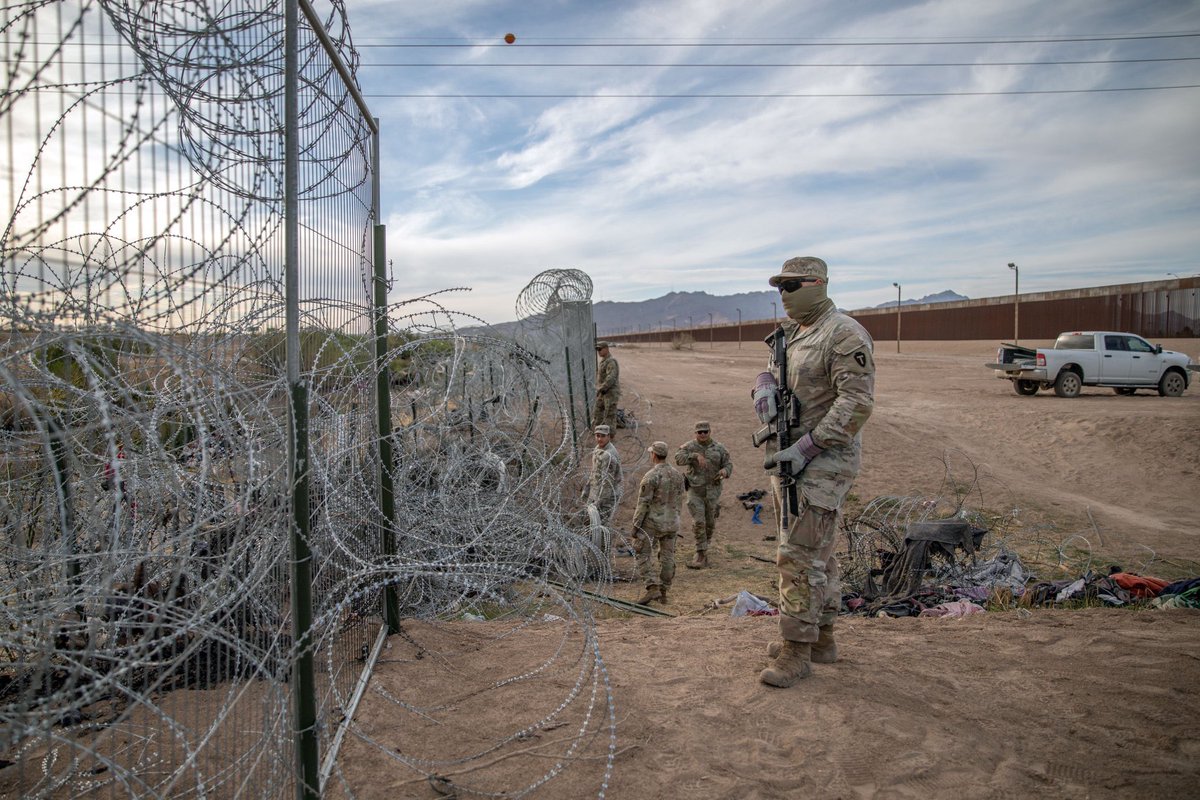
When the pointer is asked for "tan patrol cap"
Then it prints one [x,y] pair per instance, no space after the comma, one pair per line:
[601,345]
[802,267]
[703,426]
[604,429]
[658,448]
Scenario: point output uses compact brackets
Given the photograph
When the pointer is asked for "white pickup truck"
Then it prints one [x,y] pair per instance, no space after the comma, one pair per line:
[1093,358]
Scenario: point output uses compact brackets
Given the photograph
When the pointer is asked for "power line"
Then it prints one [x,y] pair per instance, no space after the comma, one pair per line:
[706,96]
[763,65]
[826,43]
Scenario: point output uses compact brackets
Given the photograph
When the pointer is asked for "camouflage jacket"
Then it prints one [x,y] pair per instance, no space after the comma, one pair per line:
[831,370]
[716,458]
[604,483]
[660,497]
[608,380]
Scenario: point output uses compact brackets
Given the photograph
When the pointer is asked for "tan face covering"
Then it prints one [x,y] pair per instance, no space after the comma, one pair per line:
[806,304]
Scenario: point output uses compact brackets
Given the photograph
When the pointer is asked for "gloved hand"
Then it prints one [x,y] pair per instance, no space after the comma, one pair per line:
[798,455]
[764,393]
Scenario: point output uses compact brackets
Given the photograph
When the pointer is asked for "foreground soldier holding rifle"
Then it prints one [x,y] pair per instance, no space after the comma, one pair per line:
[814,410]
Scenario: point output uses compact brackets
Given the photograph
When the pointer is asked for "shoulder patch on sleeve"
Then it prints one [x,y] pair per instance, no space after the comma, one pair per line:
[856,360]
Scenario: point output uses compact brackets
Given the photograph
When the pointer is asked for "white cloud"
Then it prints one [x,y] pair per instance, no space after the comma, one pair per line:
[653,194]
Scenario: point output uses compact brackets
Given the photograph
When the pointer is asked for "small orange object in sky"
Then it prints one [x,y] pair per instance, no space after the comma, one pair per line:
[510,38]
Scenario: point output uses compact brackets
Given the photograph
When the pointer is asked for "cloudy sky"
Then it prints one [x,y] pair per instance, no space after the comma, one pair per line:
[683,145]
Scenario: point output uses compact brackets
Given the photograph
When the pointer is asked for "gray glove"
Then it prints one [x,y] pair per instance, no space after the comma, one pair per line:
[798,455]
[763,393]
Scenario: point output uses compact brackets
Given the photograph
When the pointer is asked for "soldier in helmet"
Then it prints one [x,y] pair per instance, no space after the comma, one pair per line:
[655,523]
[831,370]
[608,388]
[706,464]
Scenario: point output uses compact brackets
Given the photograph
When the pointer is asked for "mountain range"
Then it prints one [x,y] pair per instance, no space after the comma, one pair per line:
[693,309]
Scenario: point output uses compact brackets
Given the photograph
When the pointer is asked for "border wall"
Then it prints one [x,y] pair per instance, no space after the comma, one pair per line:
[1168,309]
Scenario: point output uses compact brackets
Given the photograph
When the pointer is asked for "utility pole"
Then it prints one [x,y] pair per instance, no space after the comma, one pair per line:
[739,329]
[710,330]
[897,315]
[1016,302]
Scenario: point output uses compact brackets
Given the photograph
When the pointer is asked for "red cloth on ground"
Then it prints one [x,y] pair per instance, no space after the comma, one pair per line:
[1138,585]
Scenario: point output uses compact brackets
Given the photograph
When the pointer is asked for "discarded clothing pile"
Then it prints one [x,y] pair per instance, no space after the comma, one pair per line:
[935,572]
[1089,587]
[1118,588]
[1180,594]
[905,571]
[746,604]
[750,499]
[930,601]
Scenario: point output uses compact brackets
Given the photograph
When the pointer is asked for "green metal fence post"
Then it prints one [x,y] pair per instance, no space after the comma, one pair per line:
[383,394]
[571,401]
[587,407]
[387,489]
[308,766]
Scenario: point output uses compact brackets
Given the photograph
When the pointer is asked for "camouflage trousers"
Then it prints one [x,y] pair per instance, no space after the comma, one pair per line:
[648,539]
[605,412]
[810,593]
[703,504]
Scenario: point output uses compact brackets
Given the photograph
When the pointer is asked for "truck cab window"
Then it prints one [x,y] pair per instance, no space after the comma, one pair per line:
[1138,345]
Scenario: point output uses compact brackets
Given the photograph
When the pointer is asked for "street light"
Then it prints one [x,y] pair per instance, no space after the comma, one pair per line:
[710,330]
[897,315]
[1016,301]
[739,329]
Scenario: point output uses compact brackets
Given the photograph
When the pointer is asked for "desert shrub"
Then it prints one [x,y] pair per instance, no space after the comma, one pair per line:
[682,340]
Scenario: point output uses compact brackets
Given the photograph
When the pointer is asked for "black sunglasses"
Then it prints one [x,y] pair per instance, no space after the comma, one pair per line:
[792,284]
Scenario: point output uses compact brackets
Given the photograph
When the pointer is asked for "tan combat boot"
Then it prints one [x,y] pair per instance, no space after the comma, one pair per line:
[700,561]
[662,595]
[824,650]
[651,593]
[791,665]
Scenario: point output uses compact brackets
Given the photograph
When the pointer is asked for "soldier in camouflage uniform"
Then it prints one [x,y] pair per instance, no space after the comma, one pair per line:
[656,521]
[603,489]
[608,388]
[831,370]
[707,465]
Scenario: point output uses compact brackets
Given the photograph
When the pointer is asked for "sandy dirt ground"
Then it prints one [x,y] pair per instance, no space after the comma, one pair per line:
[1050,703]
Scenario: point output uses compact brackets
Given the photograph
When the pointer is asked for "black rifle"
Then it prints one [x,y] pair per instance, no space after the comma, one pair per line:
[787,418]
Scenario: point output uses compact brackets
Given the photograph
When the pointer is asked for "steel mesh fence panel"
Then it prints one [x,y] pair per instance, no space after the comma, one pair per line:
[146,646]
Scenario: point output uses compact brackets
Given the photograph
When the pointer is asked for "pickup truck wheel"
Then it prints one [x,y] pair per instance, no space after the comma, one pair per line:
[1171,384]
[1068,384]
[1025,388]
[1124,390]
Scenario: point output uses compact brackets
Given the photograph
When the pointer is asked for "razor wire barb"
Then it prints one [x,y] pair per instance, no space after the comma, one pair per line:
[145,645]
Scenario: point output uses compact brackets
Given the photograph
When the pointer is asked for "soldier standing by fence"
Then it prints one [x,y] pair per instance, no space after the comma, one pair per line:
[831,372]
[656,523]
[608,388]
[603,489]
[707,465]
